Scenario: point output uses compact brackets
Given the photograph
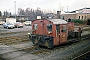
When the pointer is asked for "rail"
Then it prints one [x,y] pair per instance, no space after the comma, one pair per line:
[80,57]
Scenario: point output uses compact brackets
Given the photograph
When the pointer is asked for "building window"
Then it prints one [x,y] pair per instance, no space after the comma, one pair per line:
[82,17]
[79,17]
[63,17]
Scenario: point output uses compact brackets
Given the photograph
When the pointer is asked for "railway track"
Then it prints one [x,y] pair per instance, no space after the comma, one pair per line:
[69,52]
[9,38]
[35,50]
[85,56]
[14,39]
[42,51]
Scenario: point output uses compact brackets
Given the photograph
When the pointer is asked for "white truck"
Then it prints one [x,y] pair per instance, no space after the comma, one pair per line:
[11,20]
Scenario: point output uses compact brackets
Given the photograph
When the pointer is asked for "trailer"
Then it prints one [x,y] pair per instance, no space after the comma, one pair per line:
[11,20]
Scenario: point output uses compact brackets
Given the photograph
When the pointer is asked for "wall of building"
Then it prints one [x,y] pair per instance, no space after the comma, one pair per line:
[67,16]
[2,18]
[82,16]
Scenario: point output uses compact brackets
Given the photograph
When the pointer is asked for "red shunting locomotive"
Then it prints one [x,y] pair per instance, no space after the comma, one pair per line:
[52,32]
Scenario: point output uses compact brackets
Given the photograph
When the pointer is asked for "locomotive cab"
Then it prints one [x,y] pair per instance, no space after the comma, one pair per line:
[61,34]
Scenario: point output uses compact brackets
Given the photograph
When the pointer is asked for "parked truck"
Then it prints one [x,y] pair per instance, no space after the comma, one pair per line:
[11,20]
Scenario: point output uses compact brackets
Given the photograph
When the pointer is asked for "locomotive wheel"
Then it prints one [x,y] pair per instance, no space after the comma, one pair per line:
[47,44]
[35,42]
[7,27]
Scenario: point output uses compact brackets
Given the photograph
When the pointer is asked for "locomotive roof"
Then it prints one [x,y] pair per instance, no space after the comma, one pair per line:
[58,21]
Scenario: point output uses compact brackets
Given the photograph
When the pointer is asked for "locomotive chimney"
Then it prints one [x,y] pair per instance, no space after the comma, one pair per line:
[58,14]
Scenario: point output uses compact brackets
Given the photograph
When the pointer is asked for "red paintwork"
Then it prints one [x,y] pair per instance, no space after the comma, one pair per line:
[59,38]
[70,26]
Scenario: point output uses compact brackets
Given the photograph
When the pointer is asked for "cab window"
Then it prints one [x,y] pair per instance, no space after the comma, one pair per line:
[49,27]
[64,28]
[35,26]
[57,28]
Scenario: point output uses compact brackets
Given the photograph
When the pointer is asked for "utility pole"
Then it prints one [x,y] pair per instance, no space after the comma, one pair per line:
[15,8]
[67,8]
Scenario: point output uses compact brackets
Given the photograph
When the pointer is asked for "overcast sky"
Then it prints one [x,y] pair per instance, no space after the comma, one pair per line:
[52,5]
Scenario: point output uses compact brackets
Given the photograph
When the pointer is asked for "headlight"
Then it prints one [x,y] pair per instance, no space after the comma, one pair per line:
[28,33]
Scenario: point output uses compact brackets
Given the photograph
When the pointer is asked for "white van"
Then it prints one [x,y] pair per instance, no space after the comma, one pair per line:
[27,22]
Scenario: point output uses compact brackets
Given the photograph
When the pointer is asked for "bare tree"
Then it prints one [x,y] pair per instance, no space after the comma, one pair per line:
[0,13]
[21,11]
[30,13]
